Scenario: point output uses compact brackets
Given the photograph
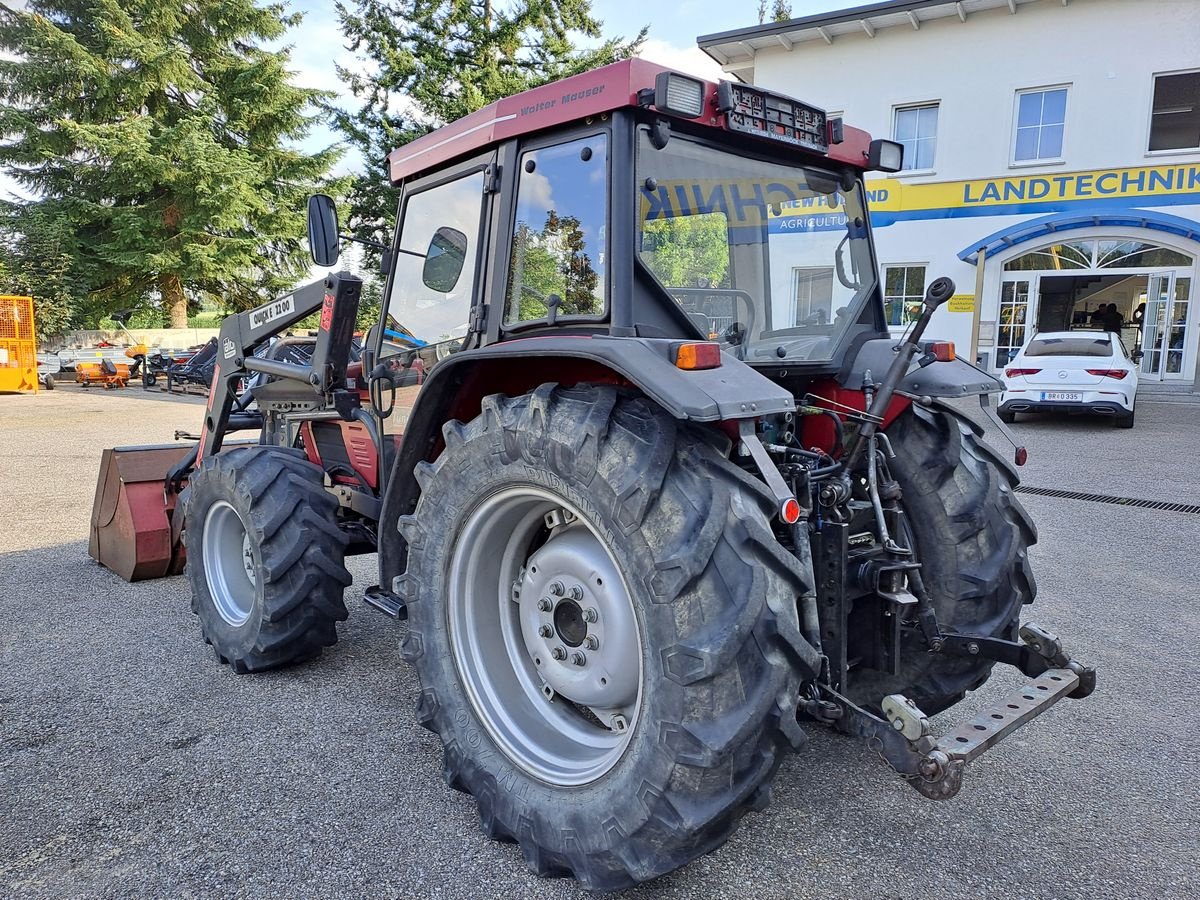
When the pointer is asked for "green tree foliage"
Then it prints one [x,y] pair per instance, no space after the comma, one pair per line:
[36,260]
[553,262]
[781,11]
[688,251]
[160,138]
[429,62]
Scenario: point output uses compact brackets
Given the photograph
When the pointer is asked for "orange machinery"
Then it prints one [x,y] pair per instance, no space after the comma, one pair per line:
[18,345]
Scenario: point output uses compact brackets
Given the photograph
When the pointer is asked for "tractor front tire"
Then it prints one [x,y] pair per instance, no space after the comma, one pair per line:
[971,537]
[605,631]
[265,557]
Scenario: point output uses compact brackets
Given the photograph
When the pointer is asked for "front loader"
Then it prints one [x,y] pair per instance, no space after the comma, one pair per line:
[646,473]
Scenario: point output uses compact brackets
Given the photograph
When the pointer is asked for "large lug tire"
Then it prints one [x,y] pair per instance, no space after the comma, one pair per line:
[971,537]
[696,620]
[265,557]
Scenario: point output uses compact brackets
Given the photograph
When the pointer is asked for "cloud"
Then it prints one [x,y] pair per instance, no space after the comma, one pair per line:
[689,60]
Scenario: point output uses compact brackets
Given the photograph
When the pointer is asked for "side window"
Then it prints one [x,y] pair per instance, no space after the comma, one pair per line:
[434,282]
[558,252]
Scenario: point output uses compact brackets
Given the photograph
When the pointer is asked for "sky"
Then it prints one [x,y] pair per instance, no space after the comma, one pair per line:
[671,40]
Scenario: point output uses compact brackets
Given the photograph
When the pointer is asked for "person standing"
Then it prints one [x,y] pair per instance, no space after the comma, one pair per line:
[1113,320]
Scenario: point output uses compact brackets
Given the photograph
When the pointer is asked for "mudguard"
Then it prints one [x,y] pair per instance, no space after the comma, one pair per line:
[957,378]
[456,385]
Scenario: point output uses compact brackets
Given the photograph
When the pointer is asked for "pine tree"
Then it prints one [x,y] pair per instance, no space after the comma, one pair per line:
[430,62]
[159,137]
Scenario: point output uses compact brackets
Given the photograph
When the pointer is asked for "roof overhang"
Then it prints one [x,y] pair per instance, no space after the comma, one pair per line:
[736,50]
[1043,227]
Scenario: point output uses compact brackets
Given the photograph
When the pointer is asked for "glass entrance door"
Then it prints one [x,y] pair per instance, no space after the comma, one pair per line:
[1164,328]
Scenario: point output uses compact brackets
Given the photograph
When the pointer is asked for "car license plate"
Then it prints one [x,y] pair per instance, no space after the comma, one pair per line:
[1062,395]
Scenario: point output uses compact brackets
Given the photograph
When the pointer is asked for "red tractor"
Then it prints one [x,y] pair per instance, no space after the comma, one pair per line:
[652,484]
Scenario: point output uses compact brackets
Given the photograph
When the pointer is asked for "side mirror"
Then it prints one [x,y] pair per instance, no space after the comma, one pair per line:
[323,230]
[444,260]
[1136,356]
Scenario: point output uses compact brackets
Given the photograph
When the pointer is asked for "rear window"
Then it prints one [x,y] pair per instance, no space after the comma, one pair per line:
[1074,346]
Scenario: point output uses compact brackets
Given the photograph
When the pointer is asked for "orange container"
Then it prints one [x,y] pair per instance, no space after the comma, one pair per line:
[18,345]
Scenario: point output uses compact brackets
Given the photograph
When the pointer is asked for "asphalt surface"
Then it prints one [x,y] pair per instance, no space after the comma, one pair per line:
[131,763]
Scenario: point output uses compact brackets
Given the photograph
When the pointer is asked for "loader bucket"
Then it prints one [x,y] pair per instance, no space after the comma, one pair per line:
[131,529]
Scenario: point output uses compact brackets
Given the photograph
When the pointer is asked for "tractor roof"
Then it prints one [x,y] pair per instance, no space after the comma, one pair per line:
[560,102]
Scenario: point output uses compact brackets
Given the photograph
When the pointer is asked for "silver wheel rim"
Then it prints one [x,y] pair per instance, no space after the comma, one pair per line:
[547,642]
[228,563]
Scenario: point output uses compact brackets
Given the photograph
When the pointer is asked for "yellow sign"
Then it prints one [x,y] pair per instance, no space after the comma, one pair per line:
[961,303]
[891,195]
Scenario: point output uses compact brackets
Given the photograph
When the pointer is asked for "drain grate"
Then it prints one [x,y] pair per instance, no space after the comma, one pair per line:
[1162,505]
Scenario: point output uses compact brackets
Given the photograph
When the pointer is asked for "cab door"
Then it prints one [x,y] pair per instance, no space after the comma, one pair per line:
[436,277]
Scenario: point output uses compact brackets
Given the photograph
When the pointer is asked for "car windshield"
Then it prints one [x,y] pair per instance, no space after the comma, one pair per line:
[773,260]
[1070,346]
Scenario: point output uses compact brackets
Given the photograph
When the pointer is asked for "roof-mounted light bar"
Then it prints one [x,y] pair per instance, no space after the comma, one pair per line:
[764,114]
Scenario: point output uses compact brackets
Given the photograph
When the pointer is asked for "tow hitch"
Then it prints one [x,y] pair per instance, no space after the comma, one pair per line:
[934,766]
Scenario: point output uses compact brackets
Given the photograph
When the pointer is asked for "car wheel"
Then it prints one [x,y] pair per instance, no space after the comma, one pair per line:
[1125,420]
[1006,417]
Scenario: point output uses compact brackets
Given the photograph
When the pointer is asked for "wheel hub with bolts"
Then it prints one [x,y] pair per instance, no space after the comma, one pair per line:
[577,620]
[547,644]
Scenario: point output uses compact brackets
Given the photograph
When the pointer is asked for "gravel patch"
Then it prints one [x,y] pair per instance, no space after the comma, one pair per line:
[131,763]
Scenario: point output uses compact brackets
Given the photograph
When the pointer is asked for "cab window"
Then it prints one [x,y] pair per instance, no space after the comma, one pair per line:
[433,284]
[558,252]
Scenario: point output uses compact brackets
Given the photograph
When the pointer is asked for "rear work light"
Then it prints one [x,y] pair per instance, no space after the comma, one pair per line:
[885,156]
[1013,373]
[694,356]
[679,95]
[1109,373]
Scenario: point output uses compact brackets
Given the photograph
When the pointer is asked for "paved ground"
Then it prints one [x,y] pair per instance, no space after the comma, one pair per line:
[131,763]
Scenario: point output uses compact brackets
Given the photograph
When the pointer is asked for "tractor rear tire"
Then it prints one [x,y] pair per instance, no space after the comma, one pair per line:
[668,549]
[972,537]
[265,557]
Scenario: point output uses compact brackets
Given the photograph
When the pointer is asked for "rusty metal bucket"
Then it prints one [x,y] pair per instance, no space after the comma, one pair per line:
[131,529]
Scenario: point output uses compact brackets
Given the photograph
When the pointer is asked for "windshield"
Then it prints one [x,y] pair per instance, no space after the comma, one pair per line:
[773,260]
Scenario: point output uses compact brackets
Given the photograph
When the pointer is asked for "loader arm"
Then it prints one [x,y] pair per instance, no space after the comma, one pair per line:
[335,297]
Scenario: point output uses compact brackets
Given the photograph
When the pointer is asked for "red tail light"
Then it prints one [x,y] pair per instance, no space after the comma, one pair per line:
[1109,373]
[1013,373]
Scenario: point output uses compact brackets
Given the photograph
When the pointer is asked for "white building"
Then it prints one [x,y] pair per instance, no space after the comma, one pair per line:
[1052,156]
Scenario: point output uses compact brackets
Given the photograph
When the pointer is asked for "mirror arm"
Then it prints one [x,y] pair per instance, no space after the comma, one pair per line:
[366,242]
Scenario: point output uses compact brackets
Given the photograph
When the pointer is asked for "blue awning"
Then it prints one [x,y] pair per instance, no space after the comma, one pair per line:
[1048,225]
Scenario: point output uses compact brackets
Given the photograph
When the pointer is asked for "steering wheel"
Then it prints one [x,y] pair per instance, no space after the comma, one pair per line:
[736,332]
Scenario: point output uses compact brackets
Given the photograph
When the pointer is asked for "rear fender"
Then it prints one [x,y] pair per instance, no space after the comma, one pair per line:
[455,389]
[957,378]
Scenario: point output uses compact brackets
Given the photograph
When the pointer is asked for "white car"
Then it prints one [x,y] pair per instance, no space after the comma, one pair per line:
[1071,371]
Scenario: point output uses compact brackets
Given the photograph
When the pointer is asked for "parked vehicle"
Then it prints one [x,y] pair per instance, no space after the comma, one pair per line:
[1068,372]
[636,562]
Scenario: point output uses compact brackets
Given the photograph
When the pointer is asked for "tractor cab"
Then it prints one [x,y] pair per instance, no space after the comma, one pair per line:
[633,201]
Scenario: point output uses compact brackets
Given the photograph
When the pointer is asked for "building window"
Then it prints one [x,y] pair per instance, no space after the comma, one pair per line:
[1041,118]
[812,295]
[903,293]
[1175,115]
[916,128]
